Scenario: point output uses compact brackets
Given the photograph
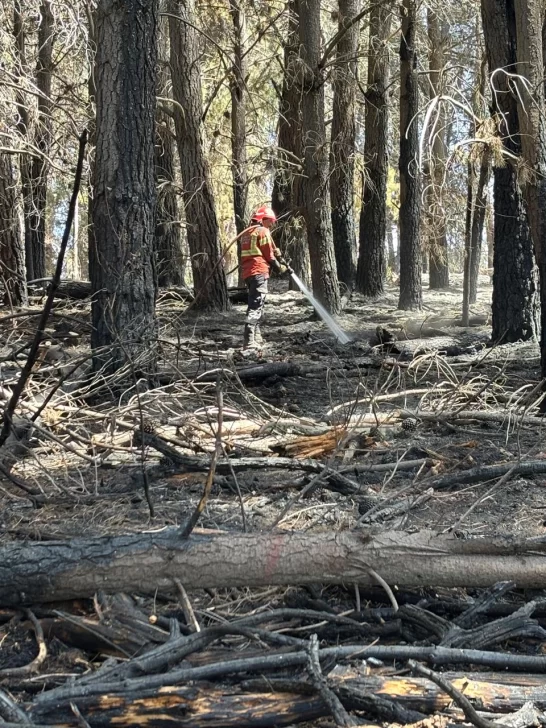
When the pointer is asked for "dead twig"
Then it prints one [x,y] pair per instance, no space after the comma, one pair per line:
[187,608]
[11,712]
[218,449]
[40,657]
[464,703]
[335,706]
[382,583]
[39,335]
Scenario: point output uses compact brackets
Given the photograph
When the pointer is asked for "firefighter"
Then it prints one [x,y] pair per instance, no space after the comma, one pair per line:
[259,255]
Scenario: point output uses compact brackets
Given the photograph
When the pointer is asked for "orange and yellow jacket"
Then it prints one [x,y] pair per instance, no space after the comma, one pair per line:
[257,251]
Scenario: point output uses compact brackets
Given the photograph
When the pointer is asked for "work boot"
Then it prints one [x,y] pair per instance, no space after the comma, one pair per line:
[249,337]
[258,338]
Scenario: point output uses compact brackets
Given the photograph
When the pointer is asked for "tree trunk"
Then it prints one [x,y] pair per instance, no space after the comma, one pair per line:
[391,254]
[532,121]
[342,145]
[316,190]
[287,197]
[168,243]
[370,275]
[42,141]
[171,261]
[437,243]
[515,305]
[478,219]
[470,181]
[42,572]
[12,252]
[490,222]
[410,187]
[209,279]
[23,129]
[91,13]
[238,117]
[121,269]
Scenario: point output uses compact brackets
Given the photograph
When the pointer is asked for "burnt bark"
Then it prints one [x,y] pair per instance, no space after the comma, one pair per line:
[121,266]
[185,707]
[373,216]
[287,196]
[209,279]
[515,305]
[315,153]
[437,232]
[410,183]
[342,145]
[469,208]
[146,562]
[273,702]
[478,220]
[12,252]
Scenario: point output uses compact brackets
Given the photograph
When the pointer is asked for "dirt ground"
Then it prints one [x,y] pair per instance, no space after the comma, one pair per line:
[344,407]
[85,462]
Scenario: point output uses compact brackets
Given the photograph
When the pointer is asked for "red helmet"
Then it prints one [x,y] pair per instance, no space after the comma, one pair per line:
[264,212]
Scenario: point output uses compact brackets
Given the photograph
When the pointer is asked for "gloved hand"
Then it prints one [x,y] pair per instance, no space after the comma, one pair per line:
[286,268]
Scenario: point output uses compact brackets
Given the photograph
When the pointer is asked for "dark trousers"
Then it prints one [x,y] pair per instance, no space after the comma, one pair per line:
[257,292]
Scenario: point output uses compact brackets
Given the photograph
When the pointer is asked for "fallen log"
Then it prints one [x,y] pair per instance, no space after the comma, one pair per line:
[497,692]
[467,343]
[203,705]
[184,707]
[485,473]
[33,573]
[80,290]
[158,684]
[262,371]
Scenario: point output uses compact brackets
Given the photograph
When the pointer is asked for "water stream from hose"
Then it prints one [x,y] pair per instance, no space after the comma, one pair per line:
[334,327]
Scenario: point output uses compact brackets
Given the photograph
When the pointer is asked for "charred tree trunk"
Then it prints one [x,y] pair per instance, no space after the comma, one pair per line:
[42,142]
[515,306]
[41,572]
[490,236]
[478,220]
[238,117]
[437,242]
[316,189]
[476,208]
[168,243]
[470,183]
[12,252]
[122,268]
[209,279]
[532,120]
[342,146]
[287,197]
[373,216]
[410,187]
